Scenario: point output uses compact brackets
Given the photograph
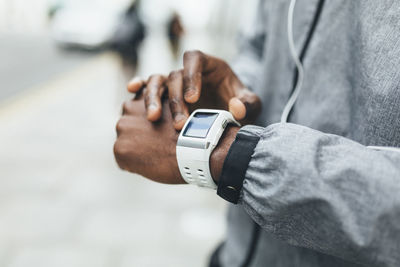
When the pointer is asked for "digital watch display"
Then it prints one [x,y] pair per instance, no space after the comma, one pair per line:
[200,124]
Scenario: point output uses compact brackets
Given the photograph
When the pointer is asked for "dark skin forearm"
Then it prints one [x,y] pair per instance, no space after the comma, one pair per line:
[221,151]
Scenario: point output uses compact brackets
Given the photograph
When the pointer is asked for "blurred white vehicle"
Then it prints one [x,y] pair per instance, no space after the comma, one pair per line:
[88,24]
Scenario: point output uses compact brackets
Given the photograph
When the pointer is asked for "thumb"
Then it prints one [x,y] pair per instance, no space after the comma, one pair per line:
[245,107]
[135,85]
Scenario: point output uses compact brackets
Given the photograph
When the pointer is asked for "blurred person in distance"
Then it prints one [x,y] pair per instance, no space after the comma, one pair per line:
[175,33]
[128,36]
[322,190]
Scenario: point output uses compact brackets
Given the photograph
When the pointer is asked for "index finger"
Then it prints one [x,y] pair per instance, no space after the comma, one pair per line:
[193,65]
[152,96]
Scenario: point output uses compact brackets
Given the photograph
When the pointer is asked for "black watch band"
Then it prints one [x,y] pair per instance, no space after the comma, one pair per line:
[235,167]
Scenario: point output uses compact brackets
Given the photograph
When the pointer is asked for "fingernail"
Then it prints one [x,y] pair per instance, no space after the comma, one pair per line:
[179,117]
[152,107]
[190,92]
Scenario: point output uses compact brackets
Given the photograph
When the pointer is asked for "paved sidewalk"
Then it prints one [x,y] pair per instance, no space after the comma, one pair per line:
[63,201]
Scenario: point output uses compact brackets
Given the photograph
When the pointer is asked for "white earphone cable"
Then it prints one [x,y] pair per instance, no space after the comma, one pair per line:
[299,66]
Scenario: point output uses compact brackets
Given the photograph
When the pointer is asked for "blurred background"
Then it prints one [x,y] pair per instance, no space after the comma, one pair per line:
[63,69]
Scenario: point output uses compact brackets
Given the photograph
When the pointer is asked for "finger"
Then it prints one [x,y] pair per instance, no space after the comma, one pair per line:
[152,96]
[246,106]
[193,62]
[237,108]
[177,104]
[135,85]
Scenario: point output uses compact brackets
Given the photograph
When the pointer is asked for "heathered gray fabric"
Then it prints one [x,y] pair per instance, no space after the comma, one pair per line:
[321,196]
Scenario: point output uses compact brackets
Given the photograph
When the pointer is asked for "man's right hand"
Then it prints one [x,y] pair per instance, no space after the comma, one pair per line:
[204,82]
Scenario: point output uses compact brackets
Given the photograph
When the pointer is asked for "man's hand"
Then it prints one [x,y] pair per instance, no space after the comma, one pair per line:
[149,149]
[204,82]
[146,148]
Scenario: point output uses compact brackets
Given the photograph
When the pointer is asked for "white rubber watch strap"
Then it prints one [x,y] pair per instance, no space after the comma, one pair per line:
[194,166]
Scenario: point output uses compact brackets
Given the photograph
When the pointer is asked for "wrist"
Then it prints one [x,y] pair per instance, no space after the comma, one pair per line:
[220,152]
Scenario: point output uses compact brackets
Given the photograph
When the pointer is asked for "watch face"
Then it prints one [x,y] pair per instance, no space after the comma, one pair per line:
[200,124]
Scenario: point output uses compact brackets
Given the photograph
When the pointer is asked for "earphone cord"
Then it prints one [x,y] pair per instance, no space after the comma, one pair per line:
[292,100]
[299,66]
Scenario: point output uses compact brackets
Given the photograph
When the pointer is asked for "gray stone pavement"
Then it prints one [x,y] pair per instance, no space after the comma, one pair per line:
[64,202]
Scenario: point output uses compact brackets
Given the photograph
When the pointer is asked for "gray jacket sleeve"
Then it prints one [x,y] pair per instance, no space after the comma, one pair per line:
[247,65]
[323,192]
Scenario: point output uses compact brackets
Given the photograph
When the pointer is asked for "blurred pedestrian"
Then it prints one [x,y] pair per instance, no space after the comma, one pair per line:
[129,35]
[175,33]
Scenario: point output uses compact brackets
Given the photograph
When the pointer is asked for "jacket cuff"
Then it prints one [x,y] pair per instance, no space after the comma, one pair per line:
[236,163]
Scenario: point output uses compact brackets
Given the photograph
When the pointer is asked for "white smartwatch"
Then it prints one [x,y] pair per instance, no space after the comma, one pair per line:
[198,138]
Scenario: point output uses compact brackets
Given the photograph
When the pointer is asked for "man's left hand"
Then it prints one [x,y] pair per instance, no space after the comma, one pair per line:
[146,148]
